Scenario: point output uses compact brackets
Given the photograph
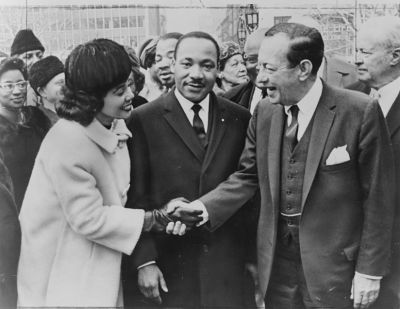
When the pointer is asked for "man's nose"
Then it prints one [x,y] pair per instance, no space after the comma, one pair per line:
[359,58]
[164,63]
[195,72]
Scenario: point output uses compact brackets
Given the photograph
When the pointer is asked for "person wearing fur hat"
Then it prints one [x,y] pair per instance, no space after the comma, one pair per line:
[232,68]
[27,47]
[47,78]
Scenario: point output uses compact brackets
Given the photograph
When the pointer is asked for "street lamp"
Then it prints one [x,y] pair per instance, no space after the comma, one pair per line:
[241,32]
[251,16]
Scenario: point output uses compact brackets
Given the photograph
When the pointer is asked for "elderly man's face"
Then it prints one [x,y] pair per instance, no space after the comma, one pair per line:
[373,60]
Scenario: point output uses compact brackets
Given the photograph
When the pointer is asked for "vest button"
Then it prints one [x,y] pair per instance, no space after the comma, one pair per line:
[288,192]
[291,161]
[289,207]
[289,176]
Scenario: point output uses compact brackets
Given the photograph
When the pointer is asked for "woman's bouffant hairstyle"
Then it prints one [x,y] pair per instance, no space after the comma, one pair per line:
[11,64]
[91,70]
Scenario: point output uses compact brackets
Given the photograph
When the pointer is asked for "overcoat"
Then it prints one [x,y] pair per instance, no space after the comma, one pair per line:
[73,221]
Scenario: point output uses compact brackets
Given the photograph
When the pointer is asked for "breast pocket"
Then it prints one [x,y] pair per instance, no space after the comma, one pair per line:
[337,167]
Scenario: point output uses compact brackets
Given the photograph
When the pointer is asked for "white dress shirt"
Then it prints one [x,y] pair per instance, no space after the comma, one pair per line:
[387,95]
[256,97]
[307,106]
[187,108]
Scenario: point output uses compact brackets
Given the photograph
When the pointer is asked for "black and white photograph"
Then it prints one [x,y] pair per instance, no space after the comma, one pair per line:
[200,154]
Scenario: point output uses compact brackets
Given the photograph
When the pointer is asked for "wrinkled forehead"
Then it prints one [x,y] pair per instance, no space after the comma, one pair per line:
[166,46]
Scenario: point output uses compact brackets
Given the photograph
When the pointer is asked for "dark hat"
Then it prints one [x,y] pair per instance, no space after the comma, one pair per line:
[43,71]
[25,41]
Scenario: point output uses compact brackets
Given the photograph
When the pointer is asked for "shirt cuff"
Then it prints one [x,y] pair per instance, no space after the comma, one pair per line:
[146,264]
[199,205]
[369,276]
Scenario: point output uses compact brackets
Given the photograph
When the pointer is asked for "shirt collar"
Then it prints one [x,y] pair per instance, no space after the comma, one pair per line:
[389,92]
[187,104]
[109,139]
[309,102]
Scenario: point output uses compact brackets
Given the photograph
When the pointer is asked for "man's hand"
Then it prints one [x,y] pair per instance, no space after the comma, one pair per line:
[364,291]
[258,297]
[150,278]
[181,211]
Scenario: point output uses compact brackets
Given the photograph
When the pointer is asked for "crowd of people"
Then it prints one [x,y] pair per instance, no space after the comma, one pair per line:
[193,174]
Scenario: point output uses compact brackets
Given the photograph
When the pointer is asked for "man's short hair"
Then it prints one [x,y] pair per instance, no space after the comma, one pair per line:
[387,34]
[171,35]
[306,43]
[198,35]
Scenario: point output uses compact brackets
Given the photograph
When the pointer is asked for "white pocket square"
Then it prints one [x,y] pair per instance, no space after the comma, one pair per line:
[338,155]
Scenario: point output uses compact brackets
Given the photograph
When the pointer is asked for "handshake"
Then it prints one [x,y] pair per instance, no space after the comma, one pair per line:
[176,217]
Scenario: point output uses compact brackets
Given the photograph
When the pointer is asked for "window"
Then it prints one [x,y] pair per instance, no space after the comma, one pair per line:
[281,19]
[100,23]
[92,23]
[116,23]
[124,22]
[132,21]
[107,22]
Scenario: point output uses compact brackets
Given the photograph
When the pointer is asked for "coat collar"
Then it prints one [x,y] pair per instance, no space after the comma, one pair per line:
[110,139]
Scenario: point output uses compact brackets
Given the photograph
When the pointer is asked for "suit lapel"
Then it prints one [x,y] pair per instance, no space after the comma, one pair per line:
[393,117]
[177,119]
[323,119]
[274,152]
[216,130]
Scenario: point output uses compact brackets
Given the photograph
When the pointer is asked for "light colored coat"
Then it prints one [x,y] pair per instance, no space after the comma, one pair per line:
[74,224]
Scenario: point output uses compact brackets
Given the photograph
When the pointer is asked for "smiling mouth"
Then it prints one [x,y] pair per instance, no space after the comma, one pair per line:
[127,107]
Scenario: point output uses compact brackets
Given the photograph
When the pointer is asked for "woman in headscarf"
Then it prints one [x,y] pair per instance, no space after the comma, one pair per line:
[232,68]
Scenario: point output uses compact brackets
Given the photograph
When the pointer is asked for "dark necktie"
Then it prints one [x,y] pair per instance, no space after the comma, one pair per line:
[264,93]
[291,130]
[198,125]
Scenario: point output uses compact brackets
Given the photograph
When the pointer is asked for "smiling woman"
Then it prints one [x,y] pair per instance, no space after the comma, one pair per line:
[74,223]
[22,128]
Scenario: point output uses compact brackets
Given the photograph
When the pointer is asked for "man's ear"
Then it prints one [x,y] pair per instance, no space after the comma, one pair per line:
[305,67]
[41,91]
[395,56]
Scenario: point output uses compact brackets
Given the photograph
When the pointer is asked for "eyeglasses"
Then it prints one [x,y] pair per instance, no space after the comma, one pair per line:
[9,87]
[253,59]
[271,70]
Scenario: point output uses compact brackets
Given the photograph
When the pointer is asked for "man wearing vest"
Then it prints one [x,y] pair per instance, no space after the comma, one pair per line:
[321,157]
[378,62]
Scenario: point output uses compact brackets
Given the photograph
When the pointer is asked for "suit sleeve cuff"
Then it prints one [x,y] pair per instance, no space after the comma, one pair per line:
[369,276]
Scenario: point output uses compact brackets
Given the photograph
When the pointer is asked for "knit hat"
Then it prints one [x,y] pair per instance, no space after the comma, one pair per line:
[43,71]
[25,41]
[228,50]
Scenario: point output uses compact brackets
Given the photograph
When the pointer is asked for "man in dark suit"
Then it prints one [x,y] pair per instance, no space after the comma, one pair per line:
[322,159]
[185,144]
[248,94]
[378,62]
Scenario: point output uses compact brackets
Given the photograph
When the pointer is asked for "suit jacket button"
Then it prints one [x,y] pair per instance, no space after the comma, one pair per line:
[205,248]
